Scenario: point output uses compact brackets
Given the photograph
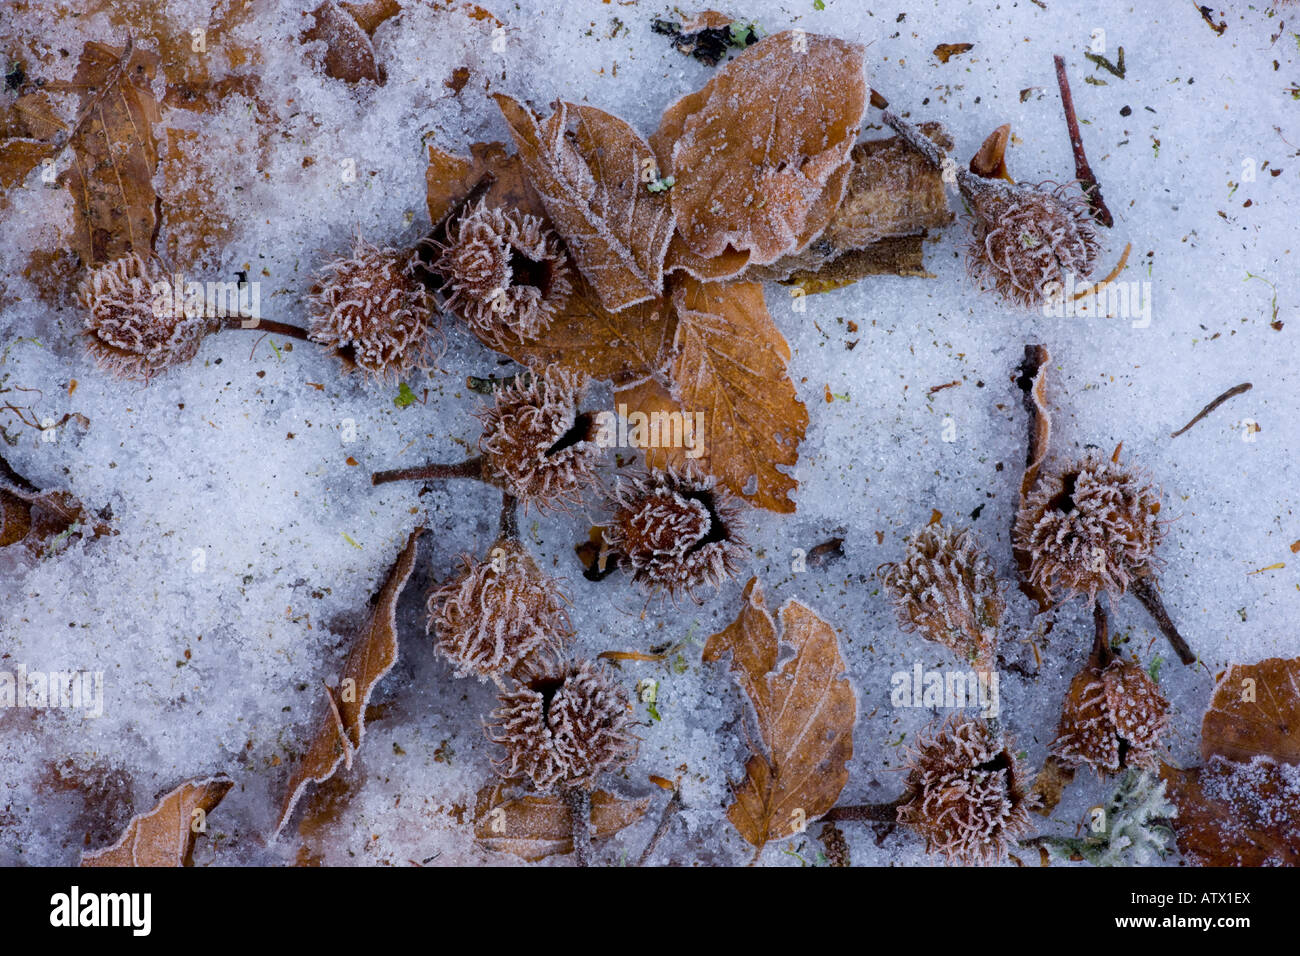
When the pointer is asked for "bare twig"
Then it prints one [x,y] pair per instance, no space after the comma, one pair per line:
[268,326]
[579,802]
[1082,171]
[1144,589]
[509,516]
[671,809]
[470,468]
[1230,393]
[869,812]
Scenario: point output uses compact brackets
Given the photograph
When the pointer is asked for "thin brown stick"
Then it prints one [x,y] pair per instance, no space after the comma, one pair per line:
[671,810]
[268,326]
[1230,393]
[1102,654]
[1144,590]
[1082,171]
[509,516]
[579,802]
[470,468]
[868,812]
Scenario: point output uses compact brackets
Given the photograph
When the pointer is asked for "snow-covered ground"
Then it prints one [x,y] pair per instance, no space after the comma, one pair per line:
[248,545]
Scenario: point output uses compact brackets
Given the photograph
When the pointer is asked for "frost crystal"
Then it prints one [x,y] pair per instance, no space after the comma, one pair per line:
[535,443]
[945,588]
[969,799]
[127,333]
[677,531]
[1089,528]
[498,613]
[372,309]
[508,275]
[564,727]
[1026,239]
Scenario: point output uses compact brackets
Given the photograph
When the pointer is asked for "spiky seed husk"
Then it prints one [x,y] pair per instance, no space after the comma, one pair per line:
[1113,718]
[131,332]
[1089,528]
[536,444]
[970,801]
[1026,239]
[564,727]
[498,613]
[506,274]
[676,530]
[371,308]
[945,588]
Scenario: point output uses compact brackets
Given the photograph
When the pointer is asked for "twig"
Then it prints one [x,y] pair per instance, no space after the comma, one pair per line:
[509,516]
[268,326]
[671,809]
[18,481]
[1230,393]
[1144,590]
[1102,652]
[869,812]
[1082,171]
[470,468]
[579,802]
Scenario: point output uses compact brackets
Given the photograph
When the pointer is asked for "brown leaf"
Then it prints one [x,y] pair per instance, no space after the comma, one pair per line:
[805,714]
[449,178]
[1033,382]
[165,835]
[651,397]
[991,160]
[346,29]
[37,519]
[759,154]
[726,265]
[945,51]
[895,256]
[1236,814]
[730,363]
[622,347]
[592,181]
[893,192]
[535,827]
[1255,710]
[115,152]
[374,652]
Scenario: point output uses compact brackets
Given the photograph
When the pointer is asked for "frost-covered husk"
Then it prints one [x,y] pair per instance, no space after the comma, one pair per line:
[563,727]
[970,800]
[498,613]
[1114,717]
[372,309]
[1025,239]
[536,443]
[1089,528]
[945,588]
[676,529]
[126,332]
[507,275]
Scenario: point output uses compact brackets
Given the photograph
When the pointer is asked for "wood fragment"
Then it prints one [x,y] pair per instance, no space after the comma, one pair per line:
[1082,171]
[1230,393]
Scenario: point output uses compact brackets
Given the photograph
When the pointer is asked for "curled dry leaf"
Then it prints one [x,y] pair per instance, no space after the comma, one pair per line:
[1238,809]
[1033,382]
[165,835]
[893,191]
[373,655]
[805,714]
[38,519]
[759,155]
[534,827]
[592,180]
[346,29]
[730,363]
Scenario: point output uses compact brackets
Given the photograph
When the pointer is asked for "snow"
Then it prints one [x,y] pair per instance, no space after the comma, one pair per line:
[248,546]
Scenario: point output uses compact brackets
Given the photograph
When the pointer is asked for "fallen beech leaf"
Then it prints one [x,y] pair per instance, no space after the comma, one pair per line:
[534,827]
[374,652]
[346,29]
[893,191]
[165,835]
[1255,710]
[622,347]
[730,363]
[448,178]
[945,51]
[726,265]
[39,519]
[805,714]
[759,155]
[592,182]
[651,397]
[115,153]
[1237,814]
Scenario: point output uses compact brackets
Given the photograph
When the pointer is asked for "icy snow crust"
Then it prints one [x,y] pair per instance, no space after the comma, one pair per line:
[247,546]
